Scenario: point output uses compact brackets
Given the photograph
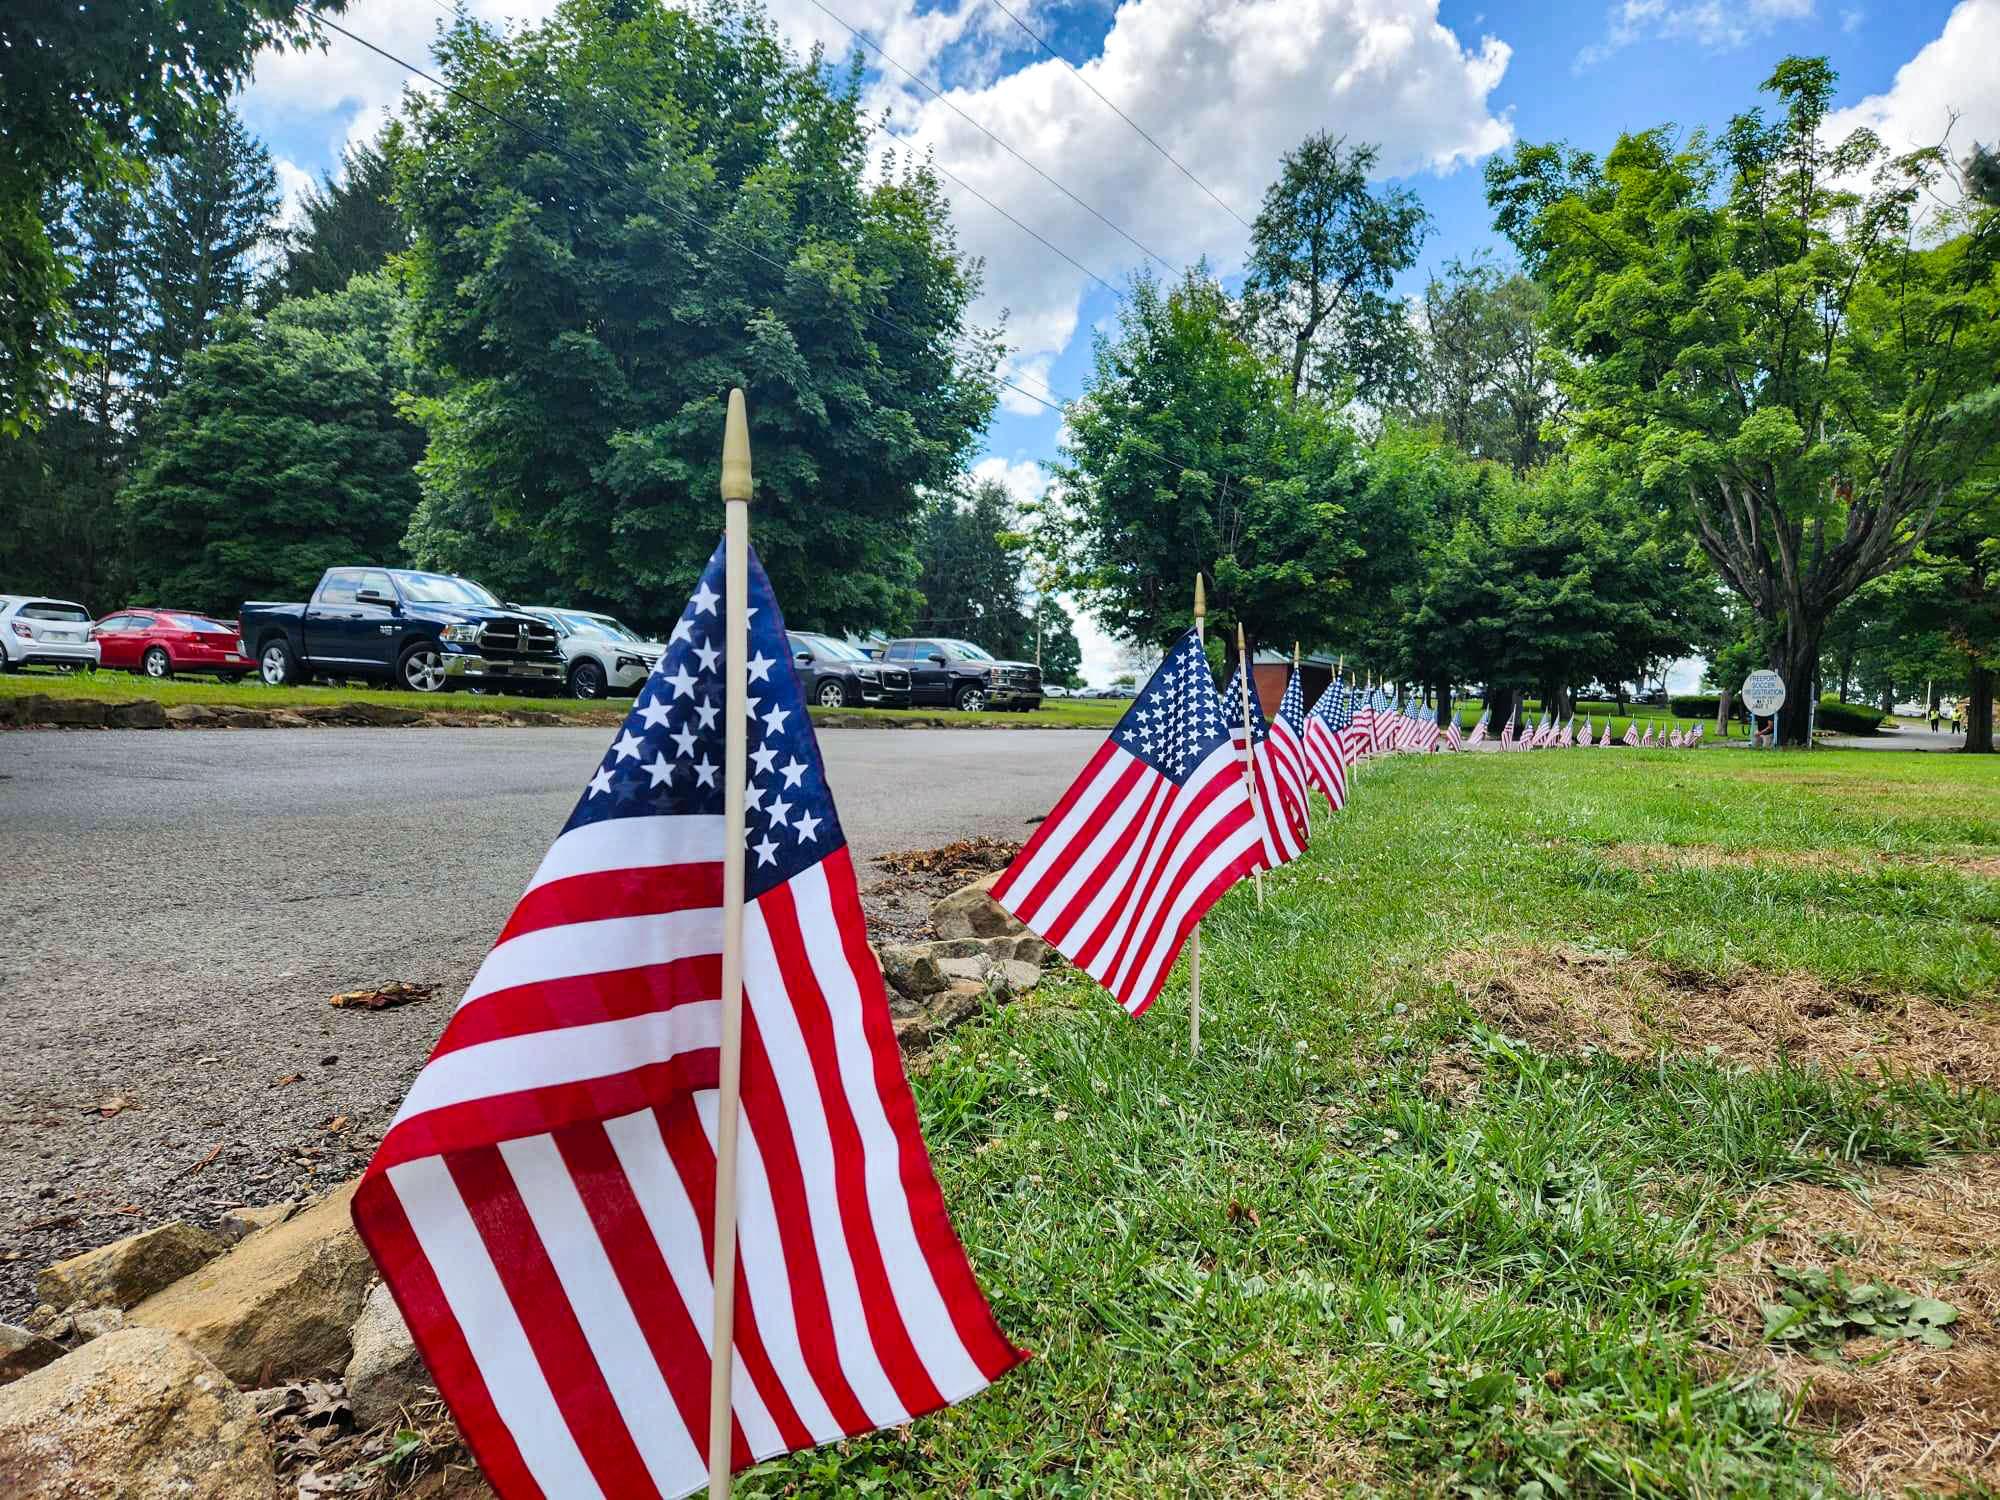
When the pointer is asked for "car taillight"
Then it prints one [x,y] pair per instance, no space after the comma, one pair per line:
[241,649]
[23,631]
[96,634]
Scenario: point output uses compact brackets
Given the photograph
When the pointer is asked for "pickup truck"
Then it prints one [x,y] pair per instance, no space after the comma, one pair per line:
[420,631]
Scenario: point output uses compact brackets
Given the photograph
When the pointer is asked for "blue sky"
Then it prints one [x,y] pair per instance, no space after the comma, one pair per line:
[1228,86]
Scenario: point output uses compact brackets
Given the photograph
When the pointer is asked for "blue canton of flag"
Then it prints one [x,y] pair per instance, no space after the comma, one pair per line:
[1177,720]
[1292,707]
[668,759]
[1279,776]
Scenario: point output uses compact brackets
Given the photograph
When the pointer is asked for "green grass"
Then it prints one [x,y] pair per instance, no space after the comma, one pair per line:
[120,687]
[1287,1268]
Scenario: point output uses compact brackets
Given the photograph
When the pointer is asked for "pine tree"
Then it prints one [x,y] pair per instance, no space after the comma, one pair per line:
[351,222]
[209,212]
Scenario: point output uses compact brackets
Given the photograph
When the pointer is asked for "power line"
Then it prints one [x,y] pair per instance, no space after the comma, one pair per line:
[947,101]
[1043,43]
[561,150]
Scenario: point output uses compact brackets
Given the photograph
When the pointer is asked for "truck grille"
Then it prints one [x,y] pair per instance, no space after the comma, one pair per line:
[1022,677]
[895,679]
[518,637]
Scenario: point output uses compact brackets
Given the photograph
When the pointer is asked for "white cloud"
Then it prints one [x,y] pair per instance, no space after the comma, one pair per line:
[1707,23]
[1024,480]
[1951,77]
[293,183]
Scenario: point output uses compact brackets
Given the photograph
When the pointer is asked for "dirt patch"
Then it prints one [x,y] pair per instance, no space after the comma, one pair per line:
[1715,857]
[1564,1001]
[899,904]
[1896,1414]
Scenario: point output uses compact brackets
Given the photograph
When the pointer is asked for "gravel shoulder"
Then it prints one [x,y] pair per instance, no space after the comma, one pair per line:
[181,907]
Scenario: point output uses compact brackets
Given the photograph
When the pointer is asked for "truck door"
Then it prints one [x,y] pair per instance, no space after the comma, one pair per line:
[333,620]
[377,620]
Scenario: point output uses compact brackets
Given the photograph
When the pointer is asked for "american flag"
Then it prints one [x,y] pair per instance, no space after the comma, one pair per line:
[1507,729]
[1353,713]
[1282,810]
[1424,730]
[1331,745]
[1604,735]
[1569,732]
[1156,828]
[1288,748]
[542,1207]
[1583,737]
[1479,726]
[1452,738]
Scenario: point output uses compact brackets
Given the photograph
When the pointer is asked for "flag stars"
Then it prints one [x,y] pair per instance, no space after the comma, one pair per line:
[807,828]
[705,599]
[601,782]
[709,656]
[704,772]
[774,721]
[681,682]
[706,712]
[792,770]
[626,746]
[766,850]
[762,757]
[760,667]
[654,712]
[683,739]
[660,769]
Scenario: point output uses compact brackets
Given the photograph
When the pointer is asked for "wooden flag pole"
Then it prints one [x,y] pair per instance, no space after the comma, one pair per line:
[735,746]
[1194,938]
[1249,749]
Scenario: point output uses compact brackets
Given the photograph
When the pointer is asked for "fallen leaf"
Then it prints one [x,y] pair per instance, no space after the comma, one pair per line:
[288,1080]
[113,1106]
[1241,1211]
[213,1152]
[126,1208]
[383,996]
[337,1124]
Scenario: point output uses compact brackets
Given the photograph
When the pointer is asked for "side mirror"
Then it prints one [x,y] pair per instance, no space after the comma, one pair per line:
[803,658]
[938,657]
[374,596]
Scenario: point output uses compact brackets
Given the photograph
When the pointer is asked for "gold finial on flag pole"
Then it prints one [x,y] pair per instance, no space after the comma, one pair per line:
[735,740]
[1249,749]
[1194,938]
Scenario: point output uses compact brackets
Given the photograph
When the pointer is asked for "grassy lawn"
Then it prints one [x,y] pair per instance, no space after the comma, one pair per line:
[1066,713]
[1510,1098]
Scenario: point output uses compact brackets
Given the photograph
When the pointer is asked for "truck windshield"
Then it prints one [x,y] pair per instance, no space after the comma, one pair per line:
[442,588]
[965,651]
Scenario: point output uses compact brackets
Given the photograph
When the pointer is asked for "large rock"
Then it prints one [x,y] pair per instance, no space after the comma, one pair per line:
[971,911]
[277,1307]
[141,714]
[23,1351]
[386,1374]
[137,1415]
[127,1271]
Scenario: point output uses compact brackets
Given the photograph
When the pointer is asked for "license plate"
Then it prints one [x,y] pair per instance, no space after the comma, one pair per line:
[62,635]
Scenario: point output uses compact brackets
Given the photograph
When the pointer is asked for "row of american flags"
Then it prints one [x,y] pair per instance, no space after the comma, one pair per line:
[544,1205]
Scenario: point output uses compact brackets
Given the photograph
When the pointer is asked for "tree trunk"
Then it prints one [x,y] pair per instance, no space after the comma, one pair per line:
[1797,661]
[1889,699]
[1722,698]
[1500,703]
[1979,712]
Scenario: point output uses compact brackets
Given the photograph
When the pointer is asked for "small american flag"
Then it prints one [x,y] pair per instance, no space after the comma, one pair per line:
[1423,736]
[1281,803]
[543,1206]
[1453,740]
[1507,729]
[1479,728]
[1353,714]
[1331,745]
[1288,748]
[1156,828]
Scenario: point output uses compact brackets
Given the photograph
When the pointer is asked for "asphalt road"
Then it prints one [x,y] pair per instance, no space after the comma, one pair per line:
[178,907]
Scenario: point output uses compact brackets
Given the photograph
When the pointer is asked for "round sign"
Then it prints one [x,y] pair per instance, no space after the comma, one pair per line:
[1763,693]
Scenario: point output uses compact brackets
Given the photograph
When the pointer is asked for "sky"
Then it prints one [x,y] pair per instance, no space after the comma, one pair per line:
[1224,88]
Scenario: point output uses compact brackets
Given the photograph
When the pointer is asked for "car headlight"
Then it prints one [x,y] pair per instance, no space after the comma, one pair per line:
[462,635]
[869,672]
[625,662]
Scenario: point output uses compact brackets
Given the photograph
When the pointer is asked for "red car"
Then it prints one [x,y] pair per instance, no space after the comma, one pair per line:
[161,642]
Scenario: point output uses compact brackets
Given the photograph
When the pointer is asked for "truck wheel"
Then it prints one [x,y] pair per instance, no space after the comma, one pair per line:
[421,668]
[277,666]
[157,663]
[971,698]
[586,680]
[832,694]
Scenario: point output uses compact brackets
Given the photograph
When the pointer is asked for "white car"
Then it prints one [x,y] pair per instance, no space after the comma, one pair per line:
[601,654]
[42,632]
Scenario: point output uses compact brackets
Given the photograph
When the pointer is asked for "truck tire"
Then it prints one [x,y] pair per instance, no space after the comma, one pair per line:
[421,668]
[277,666]
[971,698]
[832,693]
[586,680]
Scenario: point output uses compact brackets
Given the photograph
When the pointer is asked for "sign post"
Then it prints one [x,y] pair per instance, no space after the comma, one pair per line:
[1764,694]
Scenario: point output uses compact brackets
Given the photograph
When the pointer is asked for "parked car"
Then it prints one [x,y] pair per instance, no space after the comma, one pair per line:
[601,654]
[834,674]
[1056,690]
[39,632]
[419,630]
[1116,690]
[161,642]
[945,670]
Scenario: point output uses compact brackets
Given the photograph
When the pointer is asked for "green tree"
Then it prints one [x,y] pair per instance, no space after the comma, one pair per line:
[1484,370]
[1183,456]
[207,215]
[282,454]
[969,576]
[681,208]
[1324,252]
[1775,352]
[351,224]
[1055,644]
[81,87]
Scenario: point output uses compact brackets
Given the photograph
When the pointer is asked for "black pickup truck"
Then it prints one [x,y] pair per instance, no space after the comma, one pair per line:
[422,631]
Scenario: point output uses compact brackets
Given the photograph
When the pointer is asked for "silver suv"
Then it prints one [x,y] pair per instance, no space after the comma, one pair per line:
[601,654]
[38,632]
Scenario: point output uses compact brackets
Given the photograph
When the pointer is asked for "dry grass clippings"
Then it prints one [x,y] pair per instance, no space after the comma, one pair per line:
[1895,1413]
[1564,1001]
